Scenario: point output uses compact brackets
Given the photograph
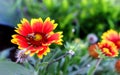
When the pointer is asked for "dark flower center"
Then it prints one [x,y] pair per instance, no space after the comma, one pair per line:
[36,39]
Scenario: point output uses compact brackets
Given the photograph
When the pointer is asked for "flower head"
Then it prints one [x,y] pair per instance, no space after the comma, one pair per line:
[113,36]
[108,48]
[36,36]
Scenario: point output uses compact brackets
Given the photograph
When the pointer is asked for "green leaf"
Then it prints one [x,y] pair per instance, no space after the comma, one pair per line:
[53,68]
[11,68]
[90,71]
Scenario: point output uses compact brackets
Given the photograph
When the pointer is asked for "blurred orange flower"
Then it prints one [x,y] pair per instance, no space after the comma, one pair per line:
[36,36]
[113,36]
[108,48]
[92,50]
[117,66]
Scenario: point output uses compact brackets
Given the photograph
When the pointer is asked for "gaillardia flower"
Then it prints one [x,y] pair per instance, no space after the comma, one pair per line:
[36,36]
[113,36]
[108,48]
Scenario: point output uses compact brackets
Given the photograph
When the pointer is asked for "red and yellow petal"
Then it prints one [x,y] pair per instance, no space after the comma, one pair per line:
[108,48]
[60,40]
[14,40]
[37,25]
[55,38]
[48,26]
[40,51]
[43,52]
[110,35]
[19,40]
[24,28]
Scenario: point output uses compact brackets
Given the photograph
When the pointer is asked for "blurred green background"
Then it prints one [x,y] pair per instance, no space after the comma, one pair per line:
[77,19]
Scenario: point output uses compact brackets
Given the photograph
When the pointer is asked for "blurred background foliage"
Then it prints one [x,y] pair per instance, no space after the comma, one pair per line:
[77,19]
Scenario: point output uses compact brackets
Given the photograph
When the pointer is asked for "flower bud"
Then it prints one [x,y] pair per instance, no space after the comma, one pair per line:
[92,51]
[92,38]
[21,56]
[71,52]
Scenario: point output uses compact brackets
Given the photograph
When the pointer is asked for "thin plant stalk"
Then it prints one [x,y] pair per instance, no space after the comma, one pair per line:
[95,67]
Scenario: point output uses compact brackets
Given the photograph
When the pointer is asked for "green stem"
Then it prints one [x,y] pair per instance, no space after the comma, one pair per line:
[37,67]
[55,60]
[58,58]
[93,69]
